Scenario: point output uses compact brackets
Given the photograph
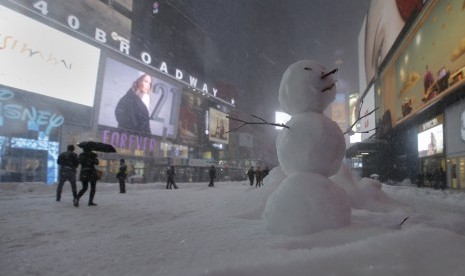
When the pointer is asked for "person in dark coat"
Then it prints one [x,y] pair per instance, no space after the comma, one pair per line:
[121,175]
[170,182]
[132,110]
[68,162]
[258,177]
[212,173]
[251,175]
[88,161]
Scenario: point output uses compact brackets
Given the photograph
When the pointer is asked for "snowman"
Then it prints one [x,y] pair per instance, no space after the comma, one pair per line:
[309,152]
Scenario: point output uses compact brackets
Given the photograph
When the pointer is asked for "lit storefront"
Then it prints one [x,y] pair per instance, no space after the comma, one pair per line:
[431,152]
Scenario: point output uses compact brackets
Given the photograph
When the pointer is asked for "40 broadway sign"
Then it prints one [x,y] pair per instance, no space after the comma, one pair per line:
[122,44]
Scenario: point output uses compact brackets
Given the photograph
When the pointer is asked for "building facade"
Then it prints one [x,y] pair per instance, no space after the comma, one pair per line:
[415,83]
[69,68]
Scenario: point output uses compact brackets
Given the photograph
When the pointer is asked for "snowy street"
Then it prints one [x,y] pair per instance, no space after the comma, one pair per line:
[197,230]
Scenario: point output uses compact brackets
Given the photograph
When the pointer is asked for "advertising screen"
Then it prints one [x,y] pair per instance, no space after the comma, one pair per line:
[431,58]
[42,60]
[430,61]
[190,119]
[218,126]
[431,141]
[383,24]
[27,115]
[136,101]
[338,111]
[353,108]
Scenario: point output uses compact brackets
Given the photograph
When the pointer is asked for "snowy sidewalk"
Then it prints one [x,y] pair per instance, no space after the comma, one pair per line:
[197,230]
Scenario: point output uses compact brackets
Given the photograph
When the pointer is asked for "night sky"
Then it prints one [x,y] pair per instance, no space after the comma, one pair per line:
[255,41]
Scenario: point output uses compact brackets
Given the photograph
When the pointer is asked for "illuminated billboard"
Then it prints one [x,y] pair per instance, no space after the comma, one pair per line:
[136,101]
[431,58]
[190,119]
[338,111]
[218,126]
[430,63]
[431,141]
[384,22]
[353,108]
[28,116]
[42,60]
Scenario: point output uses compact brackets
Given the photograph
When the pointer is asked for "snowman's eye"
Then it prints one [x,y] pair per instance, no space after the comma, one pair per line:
[307,68]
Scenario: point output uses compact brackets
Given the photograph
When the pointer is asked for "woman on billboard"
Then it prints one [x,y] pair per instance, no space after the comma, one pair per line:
[132,110]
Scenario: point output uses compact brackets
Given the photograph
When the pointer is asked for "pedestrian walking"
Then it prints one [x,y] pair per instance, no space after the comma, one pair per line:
[88,161]
[212,173]
[121,175]
[68,162]
[258,177]
[170,181]
[251,175]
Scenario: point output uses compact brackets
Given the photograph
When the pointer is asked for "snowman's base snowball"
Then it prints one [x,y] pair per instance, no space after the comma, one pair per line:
[306,203]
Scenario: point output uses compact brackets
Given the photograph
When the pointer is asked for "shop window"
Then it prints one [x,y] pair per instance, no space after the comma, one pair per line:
[461,170]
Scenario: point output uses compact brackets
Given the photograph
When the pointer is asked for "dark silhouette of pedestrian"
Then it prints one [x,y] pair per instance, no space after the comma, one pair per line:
[68,162]
[170,182]
[442,179]
[258,177]
[251,175]
[266,171]
[121,175]
[88,161]
[212,173]
[420,179]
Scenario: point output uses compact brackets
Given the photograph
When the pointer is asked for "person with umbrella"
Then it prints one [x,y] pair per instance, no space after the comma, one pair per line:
[88,160]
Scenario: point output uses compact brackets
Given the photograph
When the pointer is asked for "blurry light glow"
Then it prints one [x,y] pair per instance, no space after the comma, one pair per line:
[402,74]
[357,137]
[281,118]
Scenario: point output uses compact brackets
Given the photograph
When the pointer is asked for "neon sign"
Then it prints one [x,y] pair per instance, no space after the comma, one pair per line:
[34,116]
[128,141]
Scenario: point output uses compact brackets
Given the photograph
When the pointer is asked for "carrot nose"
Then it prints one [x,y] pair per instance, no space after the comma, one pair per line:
[329,73]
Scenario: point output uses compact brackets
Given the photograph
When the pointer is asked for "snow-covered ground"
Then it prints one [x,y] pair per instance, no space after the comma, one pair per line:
[197,230]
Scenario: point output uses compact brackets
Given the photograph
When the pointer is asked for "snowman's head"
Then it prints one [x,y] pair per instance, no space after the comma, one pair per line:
[306,86]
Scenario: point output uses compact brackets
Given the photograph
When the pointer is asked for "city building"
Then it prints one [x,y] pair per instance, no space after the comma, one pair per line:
[411,74]
[73,65]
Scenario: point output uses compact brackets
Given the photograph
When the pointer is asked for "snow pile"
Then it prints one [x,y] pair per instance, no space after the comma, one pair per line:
[197,230]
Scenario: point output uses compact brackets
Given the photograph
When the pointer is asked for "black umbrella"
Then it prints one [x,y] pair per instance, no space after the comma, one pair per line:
[97,146]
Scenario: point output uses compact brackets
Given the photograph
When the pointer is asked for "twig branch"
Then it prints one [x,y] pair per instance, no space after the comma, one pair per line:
[263,122]
[403,221]
[359,118]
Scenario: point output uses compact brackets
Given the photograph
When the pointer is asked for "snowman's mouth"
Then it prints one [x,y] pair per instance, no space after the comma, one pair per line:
[328,88]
